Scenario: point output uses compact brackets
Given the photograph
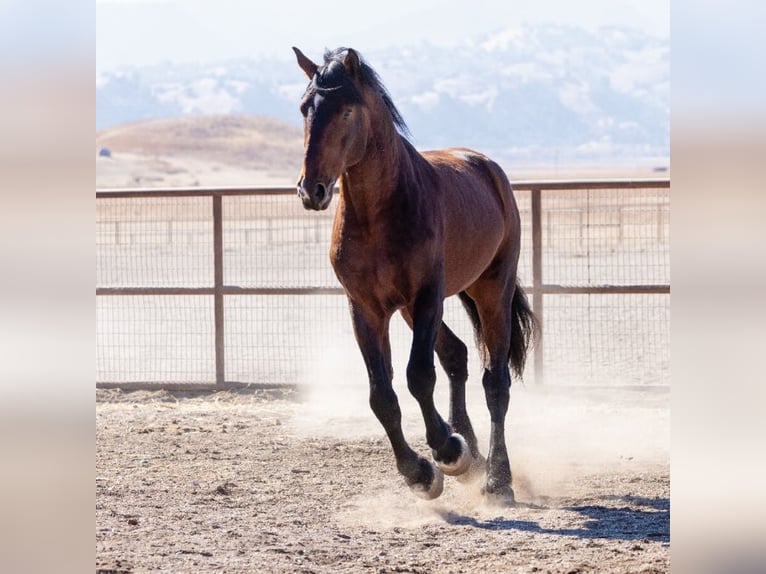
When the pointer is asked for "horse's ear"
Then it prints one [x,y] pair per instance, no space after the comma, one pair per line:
[309,67]
[351,63]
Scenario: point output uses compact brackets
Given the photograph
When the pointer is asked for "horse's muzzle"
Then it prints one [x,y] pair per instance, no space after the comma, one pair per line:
[317,196]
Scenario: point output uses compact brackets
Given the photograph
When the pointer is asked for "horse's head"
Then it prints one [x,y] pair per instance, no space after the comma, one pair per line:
[335,125]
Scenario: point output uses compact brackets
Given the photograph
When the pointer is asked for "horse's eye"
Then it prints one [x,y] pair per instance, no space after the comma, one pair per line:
[346,113]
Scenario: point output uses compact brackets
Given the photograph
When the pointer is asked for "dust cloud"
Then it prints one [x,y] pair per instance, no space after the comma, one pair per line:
[555,434]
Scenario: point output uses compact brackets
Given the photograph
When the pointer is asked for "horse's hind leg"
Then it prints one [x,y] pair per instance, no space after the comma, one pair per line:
[371,333]
[453,356]
[493,303]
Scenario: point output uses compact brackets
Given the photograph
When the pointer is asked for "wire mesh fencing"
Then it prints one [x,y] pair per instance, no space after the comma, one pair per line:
[214,288]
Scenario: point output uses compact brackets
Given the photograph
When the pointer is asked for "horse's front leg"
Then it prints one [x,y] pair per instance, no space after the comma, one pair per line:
[371,331]
[450,449]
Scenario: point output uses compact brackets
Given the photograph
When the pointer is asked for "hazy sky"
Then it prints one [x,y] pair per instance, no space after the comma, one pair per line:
[138,32]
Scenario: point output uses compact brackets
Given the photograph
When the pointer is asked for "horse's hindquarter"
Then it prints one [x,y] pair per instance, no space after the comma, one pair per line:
[479,220]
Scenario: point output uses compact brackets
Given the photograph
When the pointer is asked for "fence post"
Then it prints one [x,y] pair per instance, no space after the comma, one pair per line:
[537,277]
[220,365]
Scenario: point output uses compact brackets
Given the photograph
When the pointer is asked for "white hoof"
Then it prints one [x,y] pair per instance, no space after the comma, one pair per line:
[464,461]
[434,490]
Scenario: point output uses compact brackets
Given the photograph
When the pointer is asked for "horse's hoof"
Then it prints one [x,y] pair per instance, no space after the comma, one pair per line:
[464,460]
[434,488]
[499,496]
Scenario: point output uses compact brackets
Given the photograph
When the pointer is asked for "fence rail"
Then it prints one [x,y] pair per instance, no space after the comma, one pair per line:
[593,223]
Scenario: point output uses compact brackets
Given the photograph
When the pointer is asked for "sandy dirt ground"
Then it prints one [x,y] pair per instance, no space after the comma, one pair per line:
[282,481]
[133,170]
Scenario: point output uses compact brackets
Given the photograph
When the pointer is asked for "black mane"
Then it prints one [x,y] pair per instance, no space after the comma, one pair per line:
[332,76]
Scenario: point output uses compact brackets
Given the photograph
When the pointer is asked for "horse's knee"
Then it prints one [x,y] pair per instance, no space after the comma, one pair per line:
[421,379]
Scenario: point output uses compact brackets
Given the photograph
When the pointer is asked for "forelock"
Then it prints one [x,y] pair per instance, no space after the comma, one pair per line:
[332,77]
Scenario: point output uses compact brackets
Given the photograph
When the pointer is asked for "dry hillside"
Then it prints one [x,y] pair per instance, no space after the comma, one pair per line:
[243,150]
[201,150]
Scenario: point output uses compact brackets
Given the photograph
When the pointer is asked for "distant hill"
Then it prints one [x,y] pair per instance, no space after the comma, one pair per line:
[530,95]
[261,143]
[200,150]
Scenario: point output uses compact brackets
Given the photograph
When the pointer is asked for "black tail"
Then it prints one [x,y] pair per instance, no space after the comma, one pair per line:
[525,328]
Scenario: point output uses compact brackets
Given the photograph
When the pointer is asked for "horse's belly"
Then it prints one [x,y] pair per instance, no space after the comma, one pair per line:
[467,258]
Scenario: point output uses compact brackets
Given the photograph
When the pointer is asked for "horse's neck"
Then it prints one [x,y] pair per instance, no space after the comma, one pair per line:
[368,187]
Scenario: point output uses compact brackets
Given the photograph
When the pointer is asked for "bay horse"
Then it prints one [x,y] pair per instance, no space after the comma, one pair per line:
[410,229]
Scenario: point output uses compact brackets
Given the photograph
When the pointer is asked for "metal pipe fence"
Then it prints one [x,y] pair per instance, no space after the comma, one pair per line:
[228,287]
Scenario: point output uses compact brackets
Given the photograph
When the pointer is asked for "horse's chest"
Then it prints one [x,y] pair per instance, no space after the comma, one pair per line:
[370,272]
